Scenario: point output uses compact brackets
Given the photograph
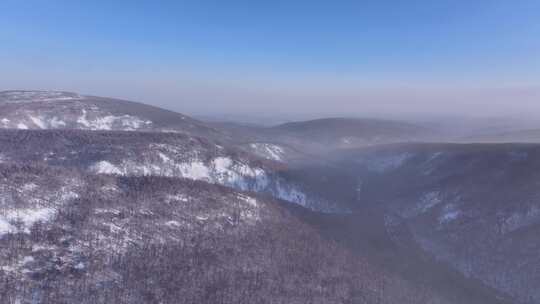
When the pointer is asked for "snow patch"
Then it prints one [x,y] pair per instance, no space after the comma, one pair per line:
[114,212]
[430,200]
[21,220]
[29,187]
[292,194]
[426,202]
[176,198]
[38,122]
[111,122]
[105,167]
[239,175]
[522,219]
[269,151]
[449,214]
[220,170]
[346,140]
[195,170]
[248,199]
[57,123]
[173,224]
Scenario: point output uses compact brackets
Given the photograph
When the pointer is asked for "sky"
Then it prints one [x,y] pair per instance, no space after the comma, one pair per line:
[318,58]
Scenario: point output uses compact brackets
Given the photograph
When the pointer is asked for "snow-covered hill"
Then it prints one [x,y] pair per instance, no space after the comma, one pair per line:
[95,192]
[97,239]
[473,206]
[329,133]
[65,110]
[157,154]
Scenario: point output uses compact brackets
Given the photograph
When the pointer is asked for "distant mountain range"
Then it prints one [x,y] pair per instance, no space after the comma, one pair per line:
[111,201]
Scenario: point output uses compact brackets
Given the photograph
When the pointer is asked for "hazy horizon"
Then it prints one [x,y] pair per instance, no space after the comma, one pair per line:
[369,59]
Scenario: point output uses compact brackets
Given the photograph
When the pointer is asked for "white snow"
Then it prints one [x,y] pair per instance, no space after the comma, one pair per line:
[38,122]
[26,204]
[430,200]
[21,220]
[105,167]
[195,170]
[248,199]
[269,151]
[164,158]
[450,216]
[239,175]
[67,194]
[434,156]
[57,123]
[176,198]
[22,126]
[82,120]
[430,166]
[346,140]
[173,224]
[17,266]
[427,201]
[522,219]
[79,266]
[110,188]
[449,213]
[29,187]
[110,122]
[112,211]
[222,164]
[5,226]
[38,96]
[220,170]
[291,194]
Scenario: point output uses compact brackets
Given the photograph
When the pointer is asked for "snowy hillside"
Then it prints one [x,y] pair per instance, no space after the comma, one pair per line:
[64,110]
[161,154]
[141,240]
[473,206]
[95,192]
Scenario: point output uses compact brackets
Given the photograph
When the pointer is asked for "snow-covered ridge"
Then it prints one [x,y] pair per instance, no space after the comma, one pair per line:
[111,122]
[61,110]
[42,110]
[222,170]
[37,96]
[77,116]
[268,151]
[170,155]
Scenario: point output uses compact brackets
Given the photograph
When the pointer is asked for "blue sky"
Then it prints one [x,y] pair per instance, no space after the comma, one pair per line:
[202,56]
